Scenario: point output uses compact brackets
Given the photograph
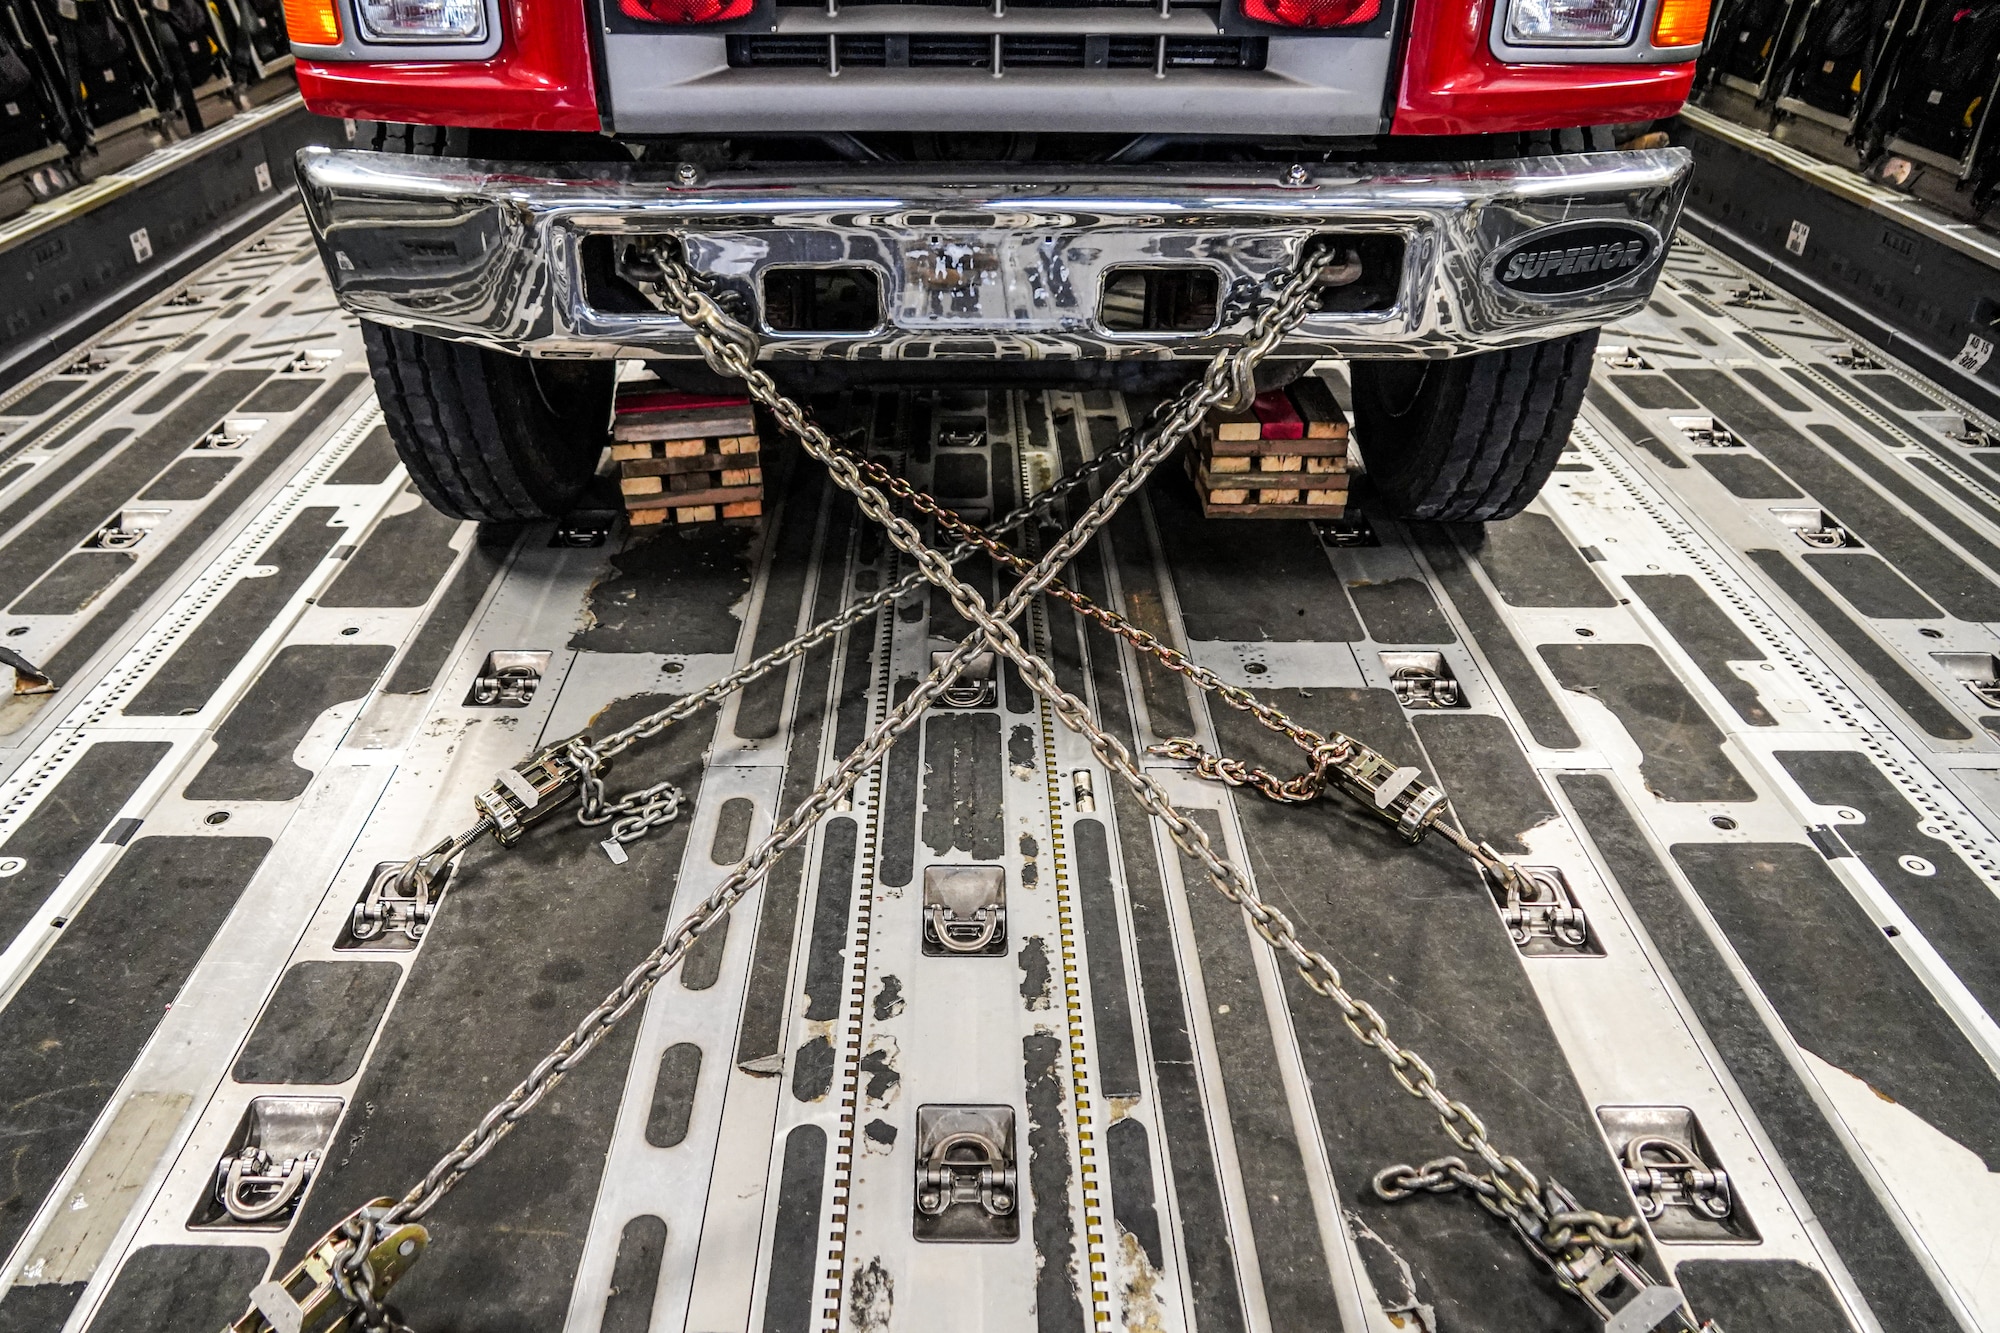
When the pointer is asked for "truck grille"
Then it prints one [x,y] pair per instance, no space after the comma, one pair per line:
[973,51]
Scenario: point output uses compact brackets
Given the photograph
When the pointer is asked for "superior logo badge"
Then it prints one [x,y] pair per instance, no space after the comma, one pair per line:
[1574,258]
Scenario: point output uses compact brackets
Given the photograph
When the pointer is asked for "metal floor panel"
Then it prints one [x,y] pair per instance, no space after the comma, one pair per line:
[1736,676]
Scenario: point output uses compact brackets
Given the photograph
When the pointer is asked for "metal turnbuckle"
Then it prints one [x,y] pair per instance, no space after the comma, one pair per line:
[402,898]
[1540,911]
[965,910]
[309,1298]
[253,1186]
[1398,794]
[1626,1297]
[532,791]
[1666,1173]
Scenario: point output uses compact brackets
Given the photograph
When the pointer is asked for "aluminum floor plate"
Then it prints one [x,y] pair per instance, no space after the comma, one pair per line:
[1735,676]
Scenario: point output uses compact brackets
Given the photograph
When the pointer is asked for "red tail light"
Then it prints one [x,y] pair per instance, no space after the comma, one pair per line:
[696,11]
[1306,13]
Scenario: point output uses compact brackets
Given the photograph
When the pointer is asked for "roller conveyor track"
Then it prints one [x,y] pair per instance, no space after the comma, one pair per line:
[1735,677]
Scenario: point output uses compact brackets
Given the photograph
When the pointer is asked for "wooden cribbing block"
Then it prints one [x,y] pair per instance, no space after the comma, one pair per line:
[1258,448]
[665,415]
[634,450]
[654,467]
[718,495]
[1209,478]
[1319,409]
[1305,411]
[1255,510]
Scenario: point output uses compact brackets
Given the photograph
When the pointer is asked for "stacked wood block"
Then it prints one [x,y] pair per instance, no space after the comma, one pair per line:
[1284,458]
[686,457]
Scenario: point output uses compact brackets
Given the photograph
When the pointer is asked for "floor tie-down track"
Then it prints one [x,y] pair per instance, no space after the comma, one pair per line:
[1753,751]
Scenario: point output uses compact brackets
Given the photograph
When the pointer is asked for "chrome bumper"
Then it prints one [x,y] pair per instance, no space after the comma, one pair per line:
[502,255]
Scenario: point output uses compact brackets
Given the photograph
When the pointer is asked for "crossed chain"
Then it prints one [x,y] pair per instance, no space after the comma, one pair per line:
[1564,1236]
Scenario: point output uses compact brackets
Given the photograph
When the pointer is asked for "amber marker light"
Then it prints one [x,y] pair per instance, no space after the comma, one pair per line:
[312,22]
[1681,23]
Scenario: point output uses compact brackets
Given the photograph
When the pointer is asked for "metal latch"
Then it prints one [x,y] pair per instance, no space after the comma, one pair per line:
[531,791]
[1978,672]
[975,687]
[955,435]
[966,1180]
[231,433]
[1354,530]
[268,1164]
[1816,528]
[306,1300]
[1665,1173]
[253,1186]
[1422,680]
[1667,1164]
[1707,432]
[965,910]
[310,361]
[1753,296]
[126,529]
[583,528]
[1851,357]
[1973,435]
[1541,913]
[1625,358]
[390,905]
[508,679]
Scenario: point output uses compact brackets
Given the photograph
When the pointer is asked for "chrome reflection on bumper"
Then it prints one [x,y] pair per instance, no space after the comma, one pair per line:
[497,254]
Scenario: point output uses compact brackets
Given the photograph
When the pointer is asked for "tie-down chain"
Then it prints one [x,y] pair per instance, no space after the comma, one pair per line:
[1586,1251]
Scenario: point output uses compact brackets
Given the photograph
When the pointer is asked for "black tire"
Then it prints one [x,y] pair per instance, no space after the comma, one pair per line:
[1469,440]
[488,436]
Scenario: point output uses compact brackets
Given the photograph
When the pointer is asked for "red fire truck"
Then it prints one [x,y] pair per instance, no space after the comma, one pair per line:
[992,192]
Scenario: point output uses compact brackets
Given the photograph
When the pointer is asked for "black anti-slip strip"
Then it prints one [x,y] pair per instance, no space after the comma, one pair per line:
[1209,1257]
[1415,933]
[1950,904]
[760,1031]
[1908,693]
[70,1033]
[1864,511]
[1511,668]
[80,513]
[1887,1273]
[506,1242]
[1291,1253]
[118,610]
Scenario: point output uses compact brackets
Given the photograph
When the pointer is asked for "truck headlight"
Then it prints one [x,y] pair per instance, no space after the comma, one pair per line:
[422,20]
[1570,22]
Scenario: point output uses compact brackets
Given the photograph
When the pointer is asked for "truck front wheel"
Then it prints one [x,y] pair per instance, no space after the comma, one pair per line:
[1472,439]
[488,436]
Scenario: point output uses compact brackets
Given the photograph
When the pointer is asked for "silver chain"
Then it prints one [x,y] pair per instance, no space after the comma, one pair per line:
[1563,1237]
[1219,384]
[1511,1188]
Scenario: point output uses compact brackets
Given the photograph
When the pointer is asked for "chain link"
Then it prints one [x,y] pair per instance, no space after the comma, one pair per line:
[632,815]
[1505,1185]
